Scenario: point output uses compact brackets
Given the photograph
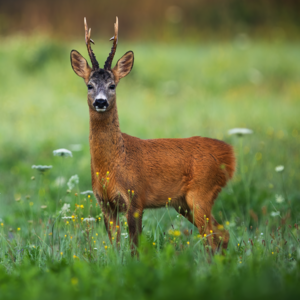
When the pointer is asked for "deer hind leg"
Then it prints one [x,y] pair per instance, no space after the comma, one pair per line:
[222,235]
[200,205]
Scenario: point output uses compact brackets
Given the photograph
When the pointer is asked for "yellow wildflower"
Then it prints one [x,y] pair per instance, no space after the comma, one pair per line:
[154,244]
[105,247]
[188,242]
[2,224]
[204,234]
[19,228]
[211,231]
[136,214]
[61,253]
[176,233]
[89,196]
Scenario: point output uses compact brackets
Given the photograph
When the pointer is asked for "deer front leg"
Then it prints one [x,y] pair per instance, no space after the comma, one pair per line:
[134,219]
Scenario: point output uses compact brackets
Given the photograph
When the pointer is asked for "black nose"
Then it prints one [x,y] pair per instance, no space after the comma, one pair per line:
[100,103]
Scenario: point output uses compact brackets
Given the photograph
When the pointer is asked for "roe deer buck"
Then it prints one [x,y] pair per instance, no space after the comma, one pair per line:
[190,171]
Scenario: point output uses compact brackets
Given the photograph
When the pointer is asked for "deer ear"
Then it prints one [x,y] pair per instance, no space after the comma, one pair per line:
[80,65]
[124,65]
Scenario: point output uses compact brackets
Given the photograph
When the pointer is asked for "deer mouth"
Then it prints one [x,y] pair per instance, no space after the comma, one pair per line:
[100,109]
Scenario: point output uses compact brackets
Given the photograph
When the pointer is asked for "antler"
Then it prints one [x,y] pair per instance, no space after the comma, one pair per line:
[107,65]
[88,41]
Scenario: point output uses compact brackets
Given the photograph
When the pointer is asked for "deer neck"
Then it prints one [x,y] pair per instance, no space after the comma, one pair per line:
[106,141]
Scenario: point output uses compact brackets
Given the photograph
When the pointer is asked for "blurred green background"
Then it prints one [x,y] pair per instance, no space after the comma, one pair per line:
[201,68]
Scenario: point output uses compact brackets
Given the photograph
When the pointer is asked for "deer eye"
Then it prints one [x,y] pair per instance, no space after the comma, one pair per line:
[90,87]
[112,87]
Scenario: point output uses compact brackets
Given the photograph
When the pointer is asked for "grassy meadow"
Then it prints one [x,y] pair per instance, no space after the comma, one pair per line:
[48,248]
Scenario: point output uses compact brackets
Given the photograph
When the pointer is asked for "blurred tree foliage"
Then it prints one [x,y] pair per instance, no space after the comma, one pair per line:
[156,19]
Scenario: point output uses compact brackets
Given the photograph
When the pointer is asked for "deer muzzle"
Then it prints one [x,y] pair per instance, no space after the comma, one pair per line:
[100,105]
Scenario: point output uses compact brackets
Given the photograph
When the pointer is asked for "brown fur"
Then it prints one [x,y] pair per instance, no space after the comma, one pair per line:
[190,171]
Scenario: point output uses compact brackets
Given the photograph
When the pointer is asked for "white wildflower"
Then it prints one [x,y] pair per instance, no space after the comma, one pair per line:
[62,152]
[88,192]
[65,209]
[74,180]
[41,168]
[240,131]
[67,218]
[275,213]
[125,235]
[89,219]
[279,198]
[279,169]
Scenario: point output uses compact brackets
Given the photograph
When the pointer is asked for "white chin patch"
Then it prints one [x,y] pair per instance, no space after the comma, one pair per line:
[100,109]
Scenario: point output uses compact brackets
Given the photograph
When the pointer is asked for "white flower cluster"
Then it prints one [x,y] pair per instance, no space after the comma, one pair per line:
[41,168]
[88,192]
[240,131]
[74,180]
[279,169]
[65,209]
[89,220]
[62,152]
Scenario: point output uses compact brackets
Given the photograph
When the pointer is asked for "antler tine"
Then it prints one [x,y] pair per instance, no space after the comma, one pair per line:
[107,65]
[88,41]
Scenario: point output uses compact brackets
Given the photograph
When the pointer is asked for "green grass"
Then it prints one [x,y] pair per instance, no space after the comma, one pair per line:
[174,90]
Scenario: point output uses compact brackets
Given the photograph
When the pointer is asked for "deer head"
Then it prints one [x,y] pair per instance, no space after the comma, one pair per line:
[101,83]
